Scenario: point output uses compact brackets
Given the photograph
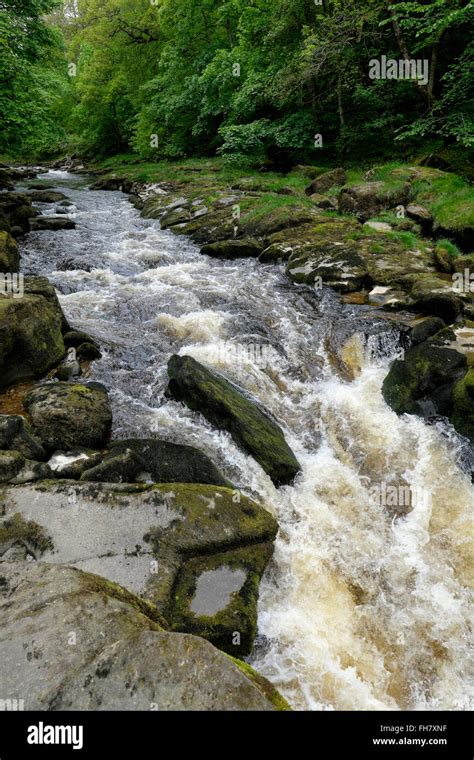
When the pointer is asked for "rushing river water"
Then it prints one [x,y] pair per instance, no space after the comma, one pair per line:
[362,608]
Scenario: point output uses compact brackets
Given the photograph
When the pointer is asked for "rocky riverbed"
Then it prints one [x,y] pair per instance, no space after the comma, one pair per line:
[176,414]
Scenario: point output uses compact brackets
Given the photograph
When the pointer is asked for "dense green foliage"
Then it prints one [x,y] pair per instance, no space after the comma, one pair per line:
[33,82]
[254,79]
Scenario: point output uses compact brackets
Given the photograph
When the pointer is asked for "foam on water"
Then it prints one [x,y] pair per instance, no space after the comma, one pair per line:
[364,607]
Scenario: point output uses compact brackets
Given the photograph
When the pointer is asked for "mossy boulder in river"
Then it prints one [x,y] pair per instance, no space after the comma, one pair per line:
[462,413]
[228,408]
[65,415]
[196,551]
[121,658]
[9,256]
[421,382]
[31,342]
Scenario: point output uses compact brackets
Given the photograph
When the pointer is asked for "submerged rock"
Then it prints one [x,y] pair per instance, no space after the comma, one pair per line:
[155,540]
[82,643]
[66,415]
[228,408]
[52,223]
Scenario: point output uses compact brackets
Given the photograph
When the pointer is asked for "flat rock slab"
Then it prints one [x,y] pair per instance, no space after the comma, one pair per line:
[152,540]
[72,641]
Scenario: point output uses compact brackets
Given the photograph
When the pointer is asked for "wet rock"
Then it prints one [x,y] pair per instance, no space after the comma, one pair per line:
[326,181]
[47,196]
[425,329]
[52,223]
[232,249]
[425,370]
[9,256]
[462,411]
[69,367]
[18,210]
[75,338]
[88,351]
[156,461]
[228,408]
[65,415]
[115,467]
[434,296]
[121,659]
[16,434]
[31,342]
[350,341]
[370,198]
[40,186]
[155,539]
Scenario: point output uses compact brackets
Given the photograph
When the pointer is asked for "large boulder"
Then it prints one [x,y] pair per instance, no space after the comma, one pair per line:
[368,199]
[80,642]
[18,210]
[326,181]
[196,551]
[9,256]
[159,461]
[422,381]
[228,408]
[31,341]
[65,415]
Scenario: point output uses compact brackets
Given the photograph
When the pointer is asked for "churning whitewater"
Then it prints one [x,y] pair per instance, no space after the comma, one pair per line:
[364,607]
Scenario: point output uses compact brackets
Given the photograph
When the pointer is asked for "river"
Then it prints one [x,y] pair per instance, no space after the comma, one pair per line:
[362,608]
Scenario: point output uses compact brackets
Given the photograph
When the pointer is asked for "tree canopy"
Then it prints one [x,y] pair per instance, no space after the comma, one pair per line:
[246,79]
